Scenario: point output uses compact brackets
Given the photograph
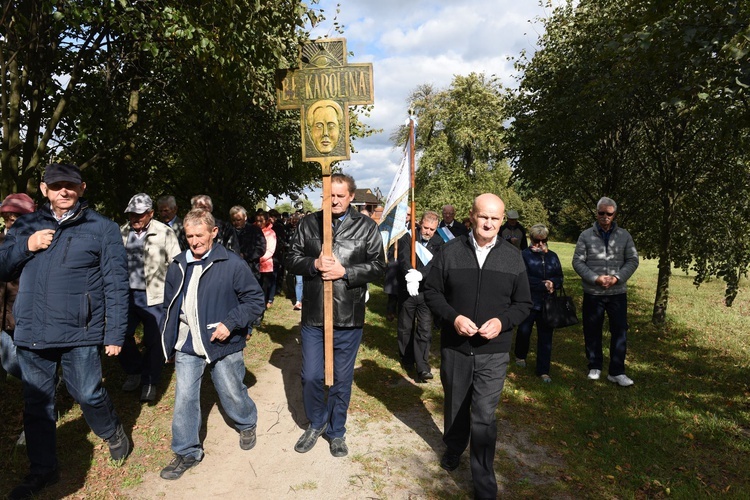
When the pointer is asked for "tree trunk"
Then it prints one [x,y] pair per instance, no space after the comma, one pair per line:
[661,300]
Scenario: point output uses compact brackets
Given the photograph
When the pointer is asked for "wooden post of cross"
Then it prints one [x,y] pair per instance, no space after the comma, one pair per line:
[323,88]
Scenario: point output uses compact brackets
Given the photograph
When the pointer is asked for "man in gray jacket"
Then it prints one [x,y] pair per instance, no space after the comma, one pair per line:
[605,258]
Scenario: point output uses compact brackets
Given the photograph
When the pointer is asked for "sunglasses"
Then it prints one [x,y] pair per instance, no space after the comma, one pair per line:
[608,214]
[535,242]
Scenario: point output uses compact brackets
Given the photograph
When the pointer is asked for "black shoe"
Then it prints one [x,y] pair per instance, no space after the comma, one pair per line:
[338,447]
[308,439]
[247,438]
[450,461]
[33,484]
[148,393]
[119,445]
[423,377]
[178,466]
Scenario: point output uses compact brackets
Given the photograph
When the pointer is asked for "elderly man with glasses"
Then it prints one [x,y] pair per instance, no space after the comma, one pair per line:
[605,258]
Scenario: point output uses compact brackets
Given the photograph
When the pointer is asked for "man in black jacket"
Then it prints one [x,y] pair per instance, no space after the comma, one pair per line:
[414,317]
[357,259]
[479,289]
[449,221]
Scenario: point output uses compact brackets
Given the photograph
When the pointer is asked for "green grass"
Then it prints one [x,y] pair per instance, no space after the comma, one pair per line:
[682,431]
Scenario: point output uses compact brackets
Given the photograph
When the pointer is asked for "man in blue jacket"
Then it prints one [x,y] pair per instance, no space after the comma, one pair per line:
[72,299]
[211,298]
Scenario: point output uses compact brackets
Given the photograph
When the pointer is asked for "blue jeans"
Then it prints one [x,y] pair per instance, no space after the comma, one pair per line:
[8,356]
[616,308]
[298,288]
[150,364]
[345,347]
[227,374]
[543,341]
[82,372]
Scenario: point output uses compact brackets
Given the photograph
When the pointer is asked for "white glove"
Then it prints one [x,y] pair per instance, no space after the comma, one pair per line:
[413,288]
[412,275]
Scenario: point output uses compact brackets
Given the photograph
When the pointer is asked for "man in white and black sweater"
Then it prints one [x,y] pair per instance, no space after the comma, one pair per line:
[479,290]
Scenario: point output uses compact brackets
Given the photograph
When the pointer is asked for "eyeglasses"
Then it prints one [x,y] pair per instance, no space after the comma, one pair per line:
[536,242]
[608,214]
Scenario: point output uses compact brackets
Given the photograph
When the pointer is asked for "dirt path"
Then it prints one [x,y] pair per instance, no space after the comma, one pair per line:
[386,460]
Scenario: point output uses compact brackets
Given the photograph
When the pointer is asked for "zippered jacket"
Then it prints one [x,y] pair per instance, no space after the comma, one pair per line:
[592,258]
[228,293]
[160,248]
[358,246]
[457,286]
[542,266]
[75,292]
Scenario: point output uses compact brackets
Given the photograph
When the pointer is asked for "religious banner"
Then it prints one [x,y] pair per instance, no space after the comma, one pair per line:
[393,220]
[323,88]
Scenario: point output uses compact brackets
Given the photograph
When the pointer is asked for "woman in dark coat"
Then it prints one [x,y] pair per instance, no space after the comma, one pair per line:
[545,276]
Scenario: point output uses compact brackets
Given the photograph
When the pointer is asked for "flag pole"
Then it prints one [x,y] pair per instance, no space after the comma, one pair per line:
[412,222]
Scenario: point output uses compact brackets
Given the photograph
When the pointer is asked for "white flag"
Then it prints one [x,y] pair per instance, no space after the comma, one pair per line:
[393,221]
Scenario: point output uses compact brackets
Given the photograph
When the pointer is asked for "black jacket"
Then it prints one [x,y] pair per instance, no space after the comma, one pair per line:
[457,286]
[359,248]
[458,229]
[252,246]
[404,261]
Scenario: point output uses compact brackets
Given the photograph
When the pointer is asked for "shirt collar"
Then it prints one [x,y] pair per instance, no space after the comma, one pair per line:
[67,215]
[189,255]
[476,246]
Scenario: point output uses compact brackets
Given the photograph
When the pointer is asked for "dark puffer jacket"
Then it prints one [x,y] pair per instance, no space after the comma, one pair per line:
[359,248]
[74,293]
[8,292]
[542,266]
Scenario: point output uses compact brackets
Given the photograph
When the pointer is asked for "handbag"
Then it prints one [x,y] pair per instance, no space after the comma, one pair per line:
[559,310]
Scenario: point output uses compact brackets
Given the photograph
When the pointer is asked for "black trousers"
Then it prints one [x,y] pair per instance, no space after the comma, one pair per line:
[472,385]
[415,332]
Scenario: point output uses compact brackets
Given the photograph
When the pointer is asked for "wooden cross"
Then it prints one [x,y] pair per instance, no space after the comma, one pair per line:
[323,88]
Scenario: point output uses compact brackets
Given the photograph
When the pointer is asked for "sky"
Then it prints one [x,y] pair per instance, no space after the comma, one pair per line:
[415,42]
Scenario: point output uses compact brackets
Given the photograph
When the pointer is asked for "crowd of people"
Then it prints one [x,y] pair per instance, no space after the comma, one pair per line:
[76,286]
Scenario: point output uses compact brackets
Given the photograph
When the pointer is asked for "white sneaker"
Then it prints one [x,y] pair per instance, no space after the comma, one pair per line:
[521,363]
[594,374]
[622,380]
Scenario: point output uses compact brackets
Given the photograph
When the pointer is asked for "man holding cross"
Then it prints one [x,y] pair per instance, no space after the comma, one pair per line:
[357,259]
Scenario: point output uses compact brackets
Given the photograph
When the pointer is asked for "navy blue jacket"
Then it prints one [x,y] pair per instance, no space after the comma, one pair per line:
[74,293]
[540,267]
[227,293]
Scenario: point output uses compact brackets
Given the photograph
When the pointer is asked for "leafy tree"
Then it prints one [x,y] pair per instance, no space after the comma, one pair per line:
[460,141]
[643,102]
[157,96]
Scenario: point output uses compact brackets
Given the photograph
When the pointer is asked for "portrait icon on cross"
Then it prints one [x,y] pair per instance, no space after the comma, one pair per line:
[325,120]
